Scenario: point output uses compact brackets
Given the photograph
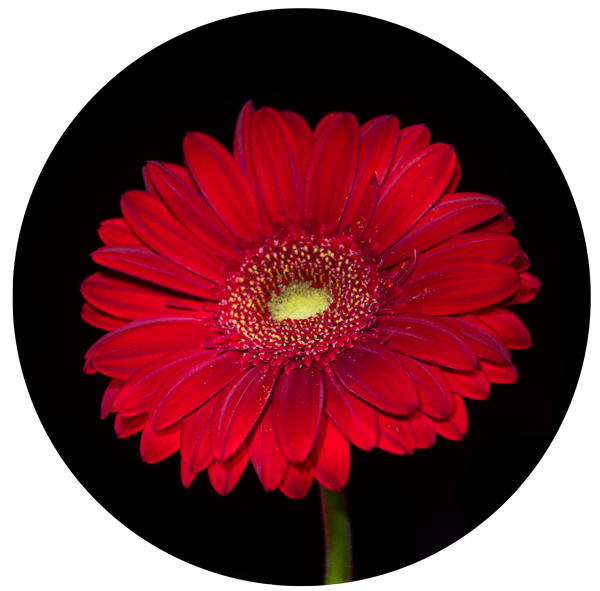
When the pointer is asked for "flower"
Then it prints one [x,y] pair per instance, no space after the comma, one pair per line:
[313,290]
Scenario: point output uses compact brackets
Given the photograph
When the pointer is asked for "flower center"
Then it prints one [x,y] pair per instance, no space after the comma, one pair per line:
[298,300]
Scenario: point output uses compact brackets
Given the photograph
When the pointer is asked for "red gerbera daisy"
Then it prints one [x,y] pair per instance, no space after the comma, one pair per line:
[313,290]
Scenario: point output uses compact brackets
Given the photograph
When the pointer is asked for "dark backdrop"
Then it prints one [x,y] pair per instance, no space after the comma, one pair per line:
[403,508]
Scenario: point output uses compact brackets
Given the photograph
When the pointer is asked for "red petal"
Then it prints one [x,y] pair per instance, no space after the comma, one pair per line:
[191,386]
[299,477]
[143,263]
[493,246]
[374,373]
[450,216]
[395,434]
[225,475]
[241,141]
[223,184]
[191,210]
[116,231]
[135,325]
[424,430]
[412,139]
[333,462]
[138,391]
[322,123]
[506,323]
[355,419]
[501,223]
[297,408]
[455,427]
[409,194]
[366,208]
[124,350]
[277,166]
[268,458]
[486,341]
[454,180]
[378,141]
[472,384]
[429,339]
[530,287]
[185,304]
[187,477]
[238,408]
[500,374]
[156,226]
[521,262]
[126,297]
[158,445]
[109,395]
[331,171]
[128,426]
[195,437]
[457,286]
[303,136]
[435,396]
[100,319]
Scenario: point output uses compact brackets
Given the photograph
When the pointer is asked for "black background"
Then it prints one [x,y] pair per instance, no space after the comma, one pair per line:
[403,508]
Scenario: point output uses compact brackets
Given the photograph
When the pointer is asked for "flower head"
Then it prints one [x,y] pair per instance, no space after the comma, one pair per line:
[315,289]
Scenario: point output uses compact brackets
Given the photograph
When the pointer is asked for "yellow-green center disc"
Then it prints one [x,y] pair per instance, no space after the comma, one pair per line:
[298,300]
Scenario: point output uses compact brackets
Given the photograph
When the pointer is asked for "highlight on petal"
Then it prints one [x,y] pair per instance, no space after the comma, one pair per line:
[333,463]
[266,452]
[297,409]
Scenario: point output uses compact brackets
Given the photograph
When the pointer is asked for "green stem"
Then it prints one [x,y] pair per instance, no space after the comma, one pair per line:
[338,539]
